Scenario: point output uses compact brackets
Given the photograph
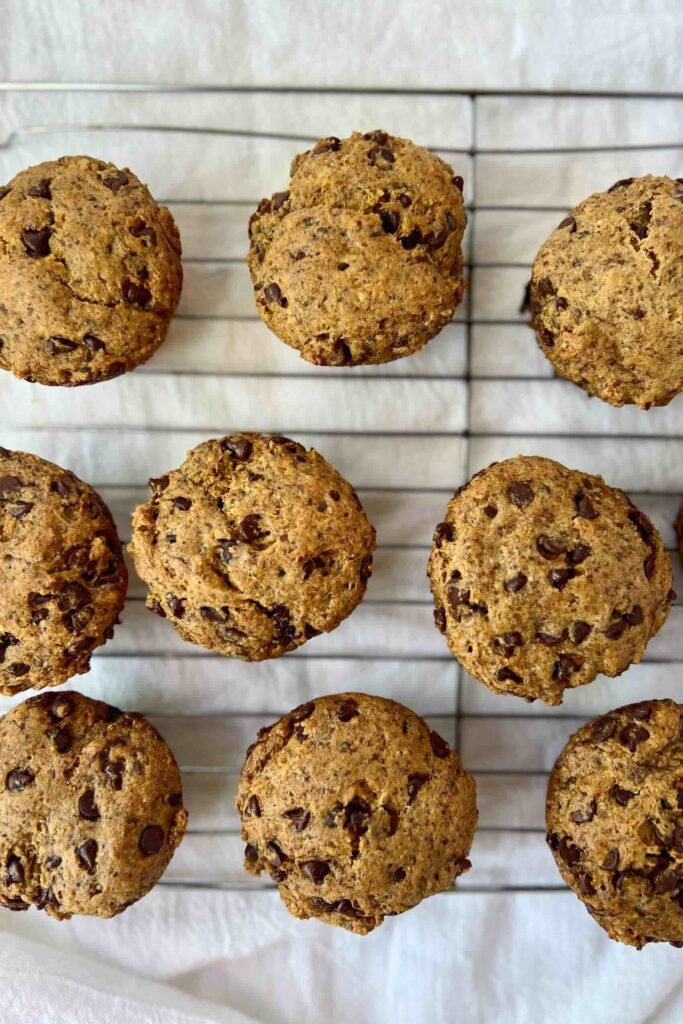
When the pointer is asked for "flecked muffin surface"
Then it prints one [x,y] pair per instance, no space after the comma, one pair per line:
[615,821]
[90,272]
[355,810]
[359,261]
[544,577]
[253,546]
[606,293]
[90,806]
[63,575]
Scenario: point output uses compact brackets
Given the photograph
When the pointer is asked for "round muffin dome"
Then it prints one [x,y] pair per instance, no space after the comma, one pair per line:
[606,293]
[359,261]
[63,575]
[253,546]
[90,272]
[543,577]
[90,806]
[614,818]
[356,810]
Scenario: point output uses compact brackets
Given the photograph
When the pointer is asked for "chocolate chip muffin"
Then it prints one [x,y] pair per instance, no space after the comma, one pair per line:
[90,806]
[544,577]
[615,821]
[63,575]
[356,810]
[359,261]
[606,293]
[253,546]
[90,272]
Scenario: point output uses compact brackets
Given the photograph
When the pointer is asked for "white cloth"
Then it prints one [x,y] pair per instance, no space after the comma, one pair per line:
[193,954]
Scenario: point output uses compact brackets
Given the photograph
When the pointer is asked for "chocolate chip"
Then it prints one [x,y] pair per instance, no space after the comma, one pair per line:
[52,862]
[251,853]
[250,531]
[272,293]
[561,303]
[176,604]
[159,483]
[116,181]
[377,136]
[642,525]
[239,447]
[569,853]
[61,739]
[611,861]
[135,294]
[210,614]
[302,712]
[525,304]
[13,903]
[564,667]
[568,222]
[142,230]
[649,565]
[10,483]
[18,779]
[516,583]
[151,840]
[315,870]
[579,553]
[356,815]
[548,548]
[458,182]
[520,494]
[440,619]
[584,506]
[632,736]
[622,183]
[113,773]
[299,818]
[87,807]
[506,673]
[550,639]
[253,808]
[279,199]
[666,881]
[578,631]
[559,578]
[46,898]
[580,817]
[390,221]
[19,668]
[183,504]
[415,784]
[36,241]
[15,871]
[545,287]
[347,710]
[603,729]
[329,145]
[491,511]
[443,532]
[87,855]
[4,191]
[41,190]
[21,509]
[621,796]
[439,745]
[585,883]
[411,240]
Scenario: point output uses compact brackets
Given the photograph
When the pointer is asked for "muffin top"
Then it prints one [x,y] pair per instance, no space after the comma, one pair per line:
[359,261]
[355,809]
[544,577]
[63,580]
[615,821]
[90,272]
[253,546]
[606,293]
[90,806]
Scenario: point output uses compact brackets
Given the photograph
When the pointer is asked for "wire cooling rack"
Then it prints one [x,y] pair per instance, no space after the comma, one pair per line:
[406,434]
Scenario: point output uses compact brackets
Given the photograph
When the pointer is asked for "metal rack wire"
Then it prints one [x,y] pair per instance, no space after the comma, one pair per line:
[479,391]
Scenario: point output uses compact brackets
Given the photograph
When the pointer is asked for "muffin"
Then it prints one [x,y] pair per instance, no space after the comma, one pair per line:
[543,577]
[356,810]
[90,272]
[615,821]
[360,260]
[606,293]
[91,806]
[64,578]
[253,546]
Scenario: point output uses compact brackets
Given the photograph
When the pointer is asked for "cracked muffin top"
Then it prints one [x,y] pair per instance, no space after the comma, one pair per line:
[359,261]
[253,546]
[543,577]
[91,806]
[607,294]
[63,575]
[90,272]
[356,810]
[615,821]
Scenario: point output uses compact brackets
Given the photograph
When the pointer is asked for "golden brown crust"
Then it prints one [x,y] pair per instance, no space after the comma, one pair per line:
[615,821]
[90,806]
[90,272]
[360,260]
[64,578]
[253,546]
[543,577]
[606,294]
[355,810]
